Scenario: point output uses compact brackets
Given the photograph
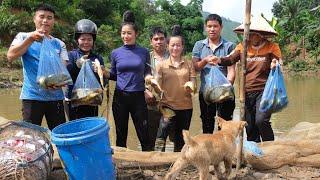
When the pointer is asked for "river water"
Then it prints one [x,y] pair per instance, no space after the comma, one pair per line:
[304,103]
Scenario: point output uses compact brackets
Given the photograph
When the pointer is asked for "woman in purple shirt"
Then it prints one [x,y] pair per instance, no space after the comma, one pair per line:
[128,69]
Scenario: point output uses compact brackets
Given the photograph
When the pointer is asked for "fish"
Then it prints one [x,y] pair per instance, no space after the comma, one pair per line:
[190,85]
[83,96]
[57,80]
[156,84]
[166,112]
[275,103]
[153,84]
[218,93]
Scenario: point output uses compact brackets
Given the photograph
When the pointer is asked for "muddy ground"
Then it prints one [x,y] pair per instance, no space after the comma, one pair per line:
[245,173]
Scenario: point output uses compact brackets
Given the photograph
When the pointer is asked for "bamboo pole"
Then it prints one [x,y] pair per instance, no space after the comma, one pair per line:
[243,64]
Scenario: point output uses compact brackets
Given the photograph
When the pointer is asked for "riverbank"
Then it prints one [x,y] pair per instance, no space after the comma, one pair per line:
[311,73]
[10,77]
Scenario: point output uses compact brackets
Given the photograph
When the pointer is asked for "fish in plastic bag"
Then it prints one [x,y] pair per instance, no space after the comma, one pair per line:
[218,88]
[51,71]
[274,97]
[87,90]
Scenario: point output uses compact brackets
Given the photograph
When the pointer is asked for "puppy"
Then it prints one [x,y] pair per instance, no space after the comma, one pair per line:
[205,149]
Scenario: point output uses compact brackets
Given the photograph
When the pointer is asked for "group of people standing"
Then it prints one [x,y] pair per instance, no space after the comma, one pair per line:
[164,67]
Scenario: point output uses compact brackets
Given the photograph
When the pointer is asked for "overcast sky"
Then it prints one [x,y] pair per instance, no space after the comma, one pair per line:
[234,9]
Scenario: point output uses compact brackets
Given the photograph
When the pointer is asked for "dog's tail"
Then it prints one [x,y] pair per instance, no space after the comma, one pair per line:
[188,139]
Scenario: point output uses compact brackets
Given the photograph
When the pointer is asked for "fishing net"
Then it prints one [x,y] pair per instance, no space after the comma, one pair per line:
[87,90]
[218,88]
[51,70]
[298,147]
[25,151]
[274,97]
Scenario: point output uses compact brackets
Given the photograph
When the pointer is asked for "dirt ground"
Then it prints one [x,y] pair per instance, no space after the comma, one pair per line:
[246,173]
[10,77]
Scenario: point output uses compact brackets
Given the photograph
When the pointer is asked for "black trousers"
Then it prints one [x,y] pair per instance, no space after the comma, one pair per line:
[82,111]
[33,112]
[208,112]
[135,104]
[181,121]
[154,117]
[259,124]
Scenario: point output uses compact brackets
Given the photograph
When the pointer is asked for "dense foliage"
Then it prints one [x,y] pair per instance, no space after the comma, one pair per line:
[299,29]
[297,22]
[16,16]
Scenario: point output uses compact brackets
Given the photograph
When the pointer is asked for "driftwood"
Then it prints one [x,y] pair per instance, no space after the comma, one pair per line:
[298,147]
[125,158]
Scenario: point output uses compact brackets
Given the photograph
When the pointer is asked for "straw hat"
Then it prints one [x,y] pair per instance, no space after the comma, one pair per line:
[258,25]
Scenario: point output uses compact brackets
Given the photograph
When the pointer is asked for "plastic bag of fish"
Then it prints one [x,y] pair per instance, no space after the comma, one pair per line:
[54,80]
[87,90]
[218,94]
[218,88]
[25,152]
[274,97]
[51,70]
[92,97]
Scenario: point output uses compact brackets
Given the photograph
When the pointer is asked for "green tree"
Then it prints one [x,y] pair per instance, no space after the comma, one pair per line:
[298,21]
[107,39]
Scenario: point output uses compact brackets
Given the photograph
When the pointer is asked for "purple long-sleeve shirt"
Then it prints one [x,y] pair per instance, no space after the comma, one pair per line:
[129,66]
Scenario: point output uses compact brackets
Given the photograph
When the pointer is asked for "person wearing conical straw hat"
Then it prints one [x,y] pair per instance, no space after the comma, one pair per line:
[262,55]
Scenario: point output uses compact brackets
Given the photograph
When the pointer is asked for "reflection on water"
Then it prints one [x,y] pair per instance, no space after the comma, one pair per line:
[304,103]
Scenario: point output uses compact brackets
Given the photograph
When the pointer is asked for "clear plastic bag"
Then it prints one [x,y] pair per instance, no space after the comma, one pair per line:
[274,97]
[87,90]
[251,147]
[51,71]
[218,88]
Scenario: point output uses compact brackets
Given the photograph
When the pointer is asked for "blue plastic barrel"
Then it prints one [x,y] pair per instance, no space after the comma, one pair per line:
[84,148]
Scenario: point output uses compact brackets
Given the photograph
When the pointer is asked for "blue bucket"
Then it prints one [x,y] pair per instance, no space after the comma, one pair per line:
[84,148]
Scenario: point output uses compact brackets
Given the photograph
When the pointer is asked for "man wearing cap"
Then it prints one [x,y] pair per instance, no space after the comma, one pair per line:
[202,53]
[261,56]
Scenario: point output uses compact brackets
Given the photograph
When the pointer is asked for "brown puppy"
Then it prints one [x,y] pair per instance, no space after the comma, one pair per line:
[205,149]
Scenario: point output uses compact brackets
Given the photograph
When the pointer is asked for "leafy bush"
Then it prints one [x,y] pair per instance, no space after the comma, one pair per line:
[64,32]
[318,62]
[4,62]
[108,39]
[11,24]
[298,65]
